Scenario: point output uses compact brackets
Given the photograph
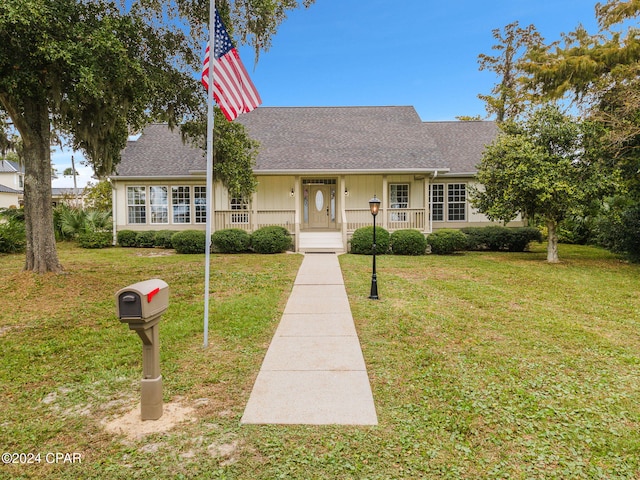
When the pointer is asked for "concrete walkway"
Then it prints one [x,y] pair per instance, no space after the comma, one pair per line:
[314,371]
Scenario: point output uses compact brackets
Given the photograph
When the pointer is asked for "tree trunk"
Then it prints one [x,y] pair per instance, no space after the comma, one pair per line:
[552,246]
[42,255]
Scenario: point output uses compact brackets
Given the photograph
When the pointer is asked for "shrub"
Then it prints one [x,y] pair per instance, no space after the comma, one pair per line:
[408,242]
[71,221]
[497,238]
[362,241]
[485,238]
[189,241]
[631,241]
[232,240]
[618,228]
[127,238]
[447,241]
[93,239]
[12,212]
[146,239]
[520,238]
[162,238]
[272,239]
[13,238]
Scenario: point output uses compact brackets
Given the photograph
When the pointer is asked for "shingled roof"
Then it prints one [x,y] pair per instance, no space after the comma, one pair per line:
[9,166]
[5,189]
[322,139]
[461,143]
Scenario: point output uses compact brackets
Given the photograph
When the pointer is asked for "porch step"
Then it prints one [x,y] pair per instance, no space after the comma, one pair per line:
[320,242]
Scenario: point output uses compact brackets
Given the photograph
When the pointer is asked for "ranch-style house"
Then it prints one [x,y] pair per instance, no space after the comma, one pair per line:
[316,169]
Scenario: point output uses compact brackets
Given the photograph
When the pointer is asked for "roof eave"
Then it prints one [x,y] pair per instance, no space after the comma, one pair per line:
[459,174]
[351,171]
[193,175]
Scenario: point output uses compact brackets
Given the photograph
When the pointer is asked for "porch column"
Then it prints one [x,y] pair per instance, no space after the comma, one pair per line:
[254,211]
[213,206]
[343,208]
[297,216]
[427,206]
[114,209]
[385,203]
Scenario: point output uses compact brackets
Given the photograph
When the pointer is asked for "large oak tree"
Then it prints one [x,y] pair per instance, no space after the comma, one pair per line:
[93,70]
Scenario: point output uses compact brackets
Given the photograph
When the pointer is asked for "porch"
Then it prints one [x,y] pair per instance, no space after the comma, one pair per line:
[332,239]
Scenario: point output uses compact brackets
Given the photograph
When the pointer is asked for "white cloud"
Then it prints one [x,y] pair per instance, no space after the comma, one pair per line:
[61,160]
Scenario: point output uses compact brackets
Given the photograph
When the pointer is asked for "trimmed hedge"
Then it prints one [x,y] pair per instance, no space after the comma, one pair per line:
[163,238]
[447,241]
[126,238]
[231,240]
[271,239]
[95,239]
[495,238]
[408,242]
[189,241]
[146,239]
[362,241]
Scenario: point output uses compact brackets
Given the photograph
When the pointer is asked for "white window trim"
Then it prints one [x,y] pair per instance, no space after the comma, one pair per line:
[399,216]
[152,205]
[443,203]
[464,203]
[188,205]
[137,205]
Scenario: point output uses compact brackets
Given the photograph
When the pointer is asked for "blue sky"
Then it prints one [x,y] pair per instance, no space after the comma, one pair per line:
[409,52]
[376,52]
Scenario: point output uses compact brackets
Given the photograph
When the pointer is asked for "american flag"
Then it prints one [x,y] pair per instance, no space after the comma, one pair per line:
[233,90]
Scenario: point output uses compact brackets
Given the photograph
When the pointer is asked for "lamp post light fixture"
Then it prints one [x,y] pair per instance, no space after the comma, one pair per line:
[374,206]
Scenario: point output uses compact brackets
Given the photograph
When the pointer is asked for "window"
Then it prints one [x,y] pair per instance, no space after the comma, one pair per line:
[159,204]
[239,203]
[399,198]
[136,204]
[436,193]
[181,204]
[456,202]
[200,202]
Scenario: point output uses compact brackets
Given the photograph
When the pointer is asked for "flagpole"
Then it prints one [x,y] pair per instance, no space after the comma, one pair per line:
[209,189]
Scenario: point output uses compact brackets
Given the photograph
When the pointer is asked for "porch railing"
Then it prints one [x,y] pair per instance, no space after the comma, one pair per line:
[248,220]
[396,218]
[283,218]
[400,218]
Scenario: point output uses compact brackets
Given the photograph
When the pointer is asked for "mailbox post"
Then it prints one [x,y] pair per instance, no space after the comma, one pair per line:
[140,306]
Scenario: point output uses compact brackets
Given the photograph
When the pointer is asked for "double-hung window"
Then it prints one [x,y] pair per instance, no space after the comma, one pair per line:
[457,202]
[181,204]
[159,204]
[200,203]
[399,198]
[436,193]
[136,204]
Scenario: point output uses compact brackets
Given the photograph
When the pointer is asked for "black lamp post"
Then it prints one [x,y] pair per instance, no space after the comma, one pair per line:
[374,206]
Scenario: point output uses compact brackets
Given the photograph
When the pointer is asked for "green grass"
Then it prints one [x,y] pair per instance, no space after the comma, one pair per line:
[483,365]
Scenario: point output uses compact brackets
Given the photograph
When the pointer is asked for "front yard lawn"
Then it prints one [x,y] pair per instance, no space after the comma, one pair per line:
[482,365]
